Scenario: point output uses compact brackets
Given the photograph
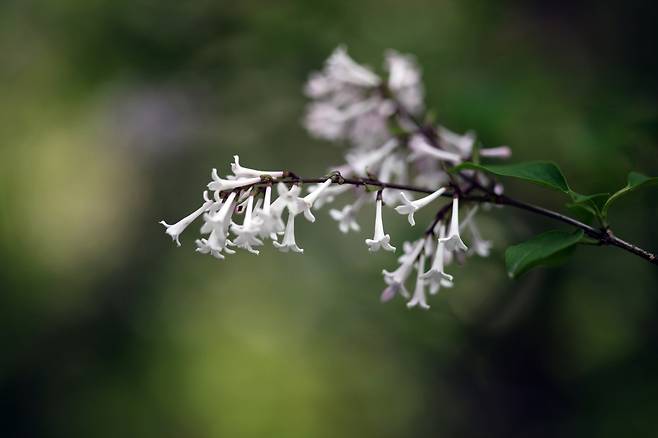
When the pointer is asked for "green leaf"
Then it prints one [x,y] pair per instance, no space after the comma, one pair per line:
[588,207]
[544,173]
[582,212]
[635,181]
[546,248]
[596,200]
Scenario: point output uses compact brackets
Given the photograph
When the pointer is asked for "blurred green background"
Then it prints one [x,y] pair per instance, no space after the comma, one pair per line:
[112,114]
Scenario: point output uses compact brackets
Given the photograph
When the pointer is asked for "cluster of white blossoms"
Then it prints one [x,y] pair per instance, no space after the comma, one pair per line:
[391,149]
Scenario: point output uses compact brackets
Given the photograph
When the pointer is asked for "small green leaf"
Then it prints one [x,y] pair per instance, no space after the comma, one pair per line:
[635,181]
[582,212]
[588,207]
[543,173]
[597,199]
[546,248]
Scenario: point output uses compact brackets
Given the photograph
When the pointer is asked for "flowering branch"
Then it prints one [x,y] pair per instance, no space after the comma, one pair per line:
[397,154]
[603,236]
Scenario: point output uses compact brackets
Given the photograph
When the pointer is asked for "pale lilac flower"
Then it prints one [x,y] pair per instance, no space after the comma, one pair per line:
[361,162]
[479,246]
[270,222]
[309,199]
[215,204]
[410,207]
[288,198]
[461,144]
[346,217]
[347,104]
[329,194]
[288,242]
[369,129]
[436,275]
[498,152]
[431,178]
[203,248]
[177,229]
[418,298]
[454,241]
[393,170]
[342,68]
[216,242]
[404,80]
[420,147]
[244,172]
[247,232]
[219,184]
[407,251]
[379,240]
[218,225]
[395,280]
[242,200]
[319,85]
[325,121]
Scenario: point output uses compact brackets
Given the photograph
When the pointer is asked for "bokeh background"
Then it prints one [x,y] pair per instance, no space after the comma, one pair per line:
[112,114]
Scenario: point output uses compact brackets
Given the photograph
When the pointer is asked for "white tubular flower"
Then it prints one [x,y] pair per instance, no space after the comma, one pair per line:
[270,223]
[177,229]
[342,68]
[368,128]
[246,233]
[395,280]
[288,243]
[217,242]
[479,246]
[323,120]
[404,80]
[393,169]
[347,216]
[420,147]
[379,240]
[436,276]
[410,207]
[309,199]
[202,247]
[215,204]
[499,152]
[244,172]
[454,241]
[219,184]
[462,144]
[407,251]
[218,224]
[329,194]
[361,162]
[318,86]
[419,299]
[288,198]
[243,199]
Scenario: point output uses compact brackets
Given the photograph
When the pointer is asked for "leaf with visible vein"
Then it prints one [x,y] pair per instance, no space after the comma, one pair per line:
[539,250]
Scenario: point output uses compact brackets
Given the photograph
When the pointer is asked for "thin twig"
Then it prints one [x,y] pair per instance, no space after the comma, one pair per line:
[605,237]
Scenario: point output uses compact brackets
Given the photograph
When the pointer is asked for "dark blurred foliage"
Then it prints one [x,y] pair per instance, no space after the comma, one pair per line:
[113,113]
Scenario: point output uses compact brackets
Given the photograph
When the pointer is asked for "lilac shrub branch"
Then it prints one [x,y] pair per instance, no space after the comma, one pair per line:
[394,159]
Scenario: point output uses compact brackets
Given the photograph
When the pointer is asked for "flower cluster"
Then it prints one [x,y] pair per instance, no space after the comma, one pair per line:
[391,148]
